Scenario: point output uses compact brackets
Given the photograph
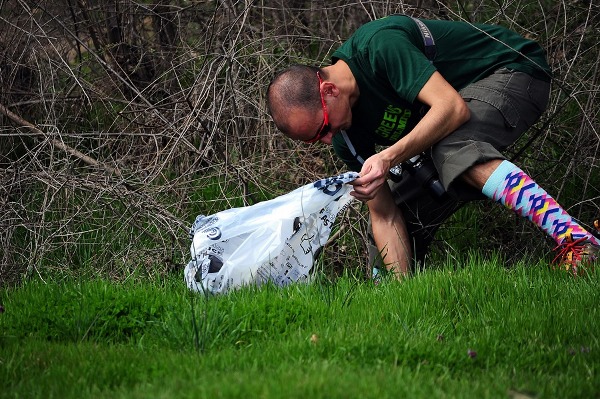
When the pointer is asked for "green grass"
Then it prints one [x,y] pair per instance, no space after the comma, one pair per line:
[474,330]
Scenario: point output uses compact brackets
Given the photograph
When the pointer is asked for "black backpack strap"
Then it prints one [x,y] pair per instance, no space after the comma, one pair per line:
[428,41]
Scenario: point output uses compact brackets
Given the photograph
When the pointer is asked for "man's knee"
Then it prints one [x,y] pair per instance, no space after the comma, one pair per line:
[477,175]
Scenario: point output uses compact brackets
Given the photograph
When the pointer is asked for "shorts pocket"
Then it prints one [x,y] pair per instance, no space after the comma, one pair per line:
[496,99]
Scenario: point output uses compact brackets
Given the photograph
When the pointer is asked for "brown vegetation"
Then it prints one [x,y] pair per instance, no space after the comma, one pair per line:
[121,120]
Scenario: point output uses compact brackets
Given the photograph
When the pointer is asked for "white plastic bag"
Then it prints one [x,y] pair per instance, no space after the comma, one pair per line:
[275,240]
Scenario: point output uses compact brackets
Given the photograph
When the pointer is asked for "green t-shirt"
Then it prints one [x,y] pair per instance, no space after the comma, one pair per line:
[387,59]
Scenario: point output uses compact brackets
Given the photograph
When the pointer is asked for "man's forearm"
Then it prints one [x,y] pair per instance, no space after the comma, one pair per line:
[390,234]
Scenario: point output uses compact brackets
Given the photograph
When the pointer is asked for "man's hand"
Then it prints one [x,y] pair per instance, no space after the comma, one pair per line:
[372,177]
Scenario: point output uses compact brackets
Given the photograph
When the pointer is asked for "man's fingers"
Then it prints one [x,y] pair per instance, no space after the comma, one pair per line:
[360,197]
[361,181]
[366,191]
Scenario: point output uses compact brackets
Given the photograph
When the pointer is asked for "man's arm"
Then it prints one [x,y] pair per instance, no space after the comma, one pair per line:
[389,232]
[446,113]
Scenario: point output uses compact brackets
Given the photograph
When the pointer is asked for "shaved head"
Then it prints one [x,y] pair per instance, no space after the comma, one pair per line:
[295,87]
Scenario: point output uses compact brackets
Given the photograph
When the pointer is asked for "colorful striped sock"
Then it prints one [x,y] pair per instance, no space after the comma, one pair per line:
[513,188]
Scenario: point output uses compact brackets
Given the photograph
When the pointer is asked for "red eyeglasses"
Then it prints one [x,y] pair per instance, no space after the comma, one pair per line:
[325,127]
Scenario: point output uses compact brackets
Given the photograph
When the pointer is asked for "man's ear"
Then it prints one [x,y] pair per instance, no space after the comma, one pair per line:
[331,89]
